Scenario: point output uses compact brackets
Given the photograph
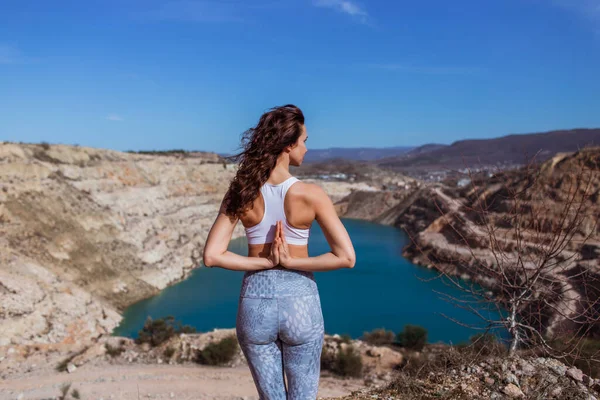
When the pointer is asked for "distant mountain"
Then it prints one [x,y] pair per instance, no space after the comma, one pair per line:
[354,153]
[513,149]
[426,148]
[349,153]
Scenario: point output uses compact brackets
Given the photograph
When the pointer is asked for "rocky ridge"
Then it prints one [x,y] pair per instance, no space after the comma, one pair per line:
[432,214]
[439,240]
[85,232]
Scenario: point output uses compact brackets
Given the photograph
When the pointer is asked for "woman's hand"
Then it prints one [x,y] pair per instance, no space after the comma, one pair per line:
[273,255]
[283,251]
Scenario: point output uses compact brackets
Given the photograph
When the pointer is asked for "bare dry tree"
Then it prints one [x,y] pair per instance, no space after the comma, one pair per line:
[520,247]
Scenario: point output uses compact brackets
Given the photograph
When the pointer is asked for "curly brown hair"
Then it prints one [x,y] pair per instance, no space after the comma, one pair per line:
[277,129]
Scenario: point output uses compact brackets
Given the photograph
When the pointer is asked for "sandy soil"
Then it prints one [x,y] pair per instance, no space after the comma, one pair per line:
[132,382]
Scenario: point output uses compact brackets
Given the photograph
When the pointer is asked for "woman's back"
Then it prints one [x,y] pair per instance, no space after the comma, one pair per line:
[287,201]
[277,202]
[273,198]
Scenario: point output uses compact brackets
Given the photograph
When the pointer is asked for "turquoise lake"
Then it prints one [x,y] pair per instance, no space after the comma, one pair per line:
[381,291]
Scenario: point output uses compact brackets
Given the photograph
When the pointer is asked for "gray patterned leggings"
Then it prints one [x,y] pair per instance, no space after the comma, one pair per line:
[280,330]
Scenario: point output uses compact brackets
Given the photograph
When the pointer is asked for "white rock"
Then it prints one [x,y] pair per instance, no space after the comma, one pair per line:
[512,391]
[374,352]
[575,373]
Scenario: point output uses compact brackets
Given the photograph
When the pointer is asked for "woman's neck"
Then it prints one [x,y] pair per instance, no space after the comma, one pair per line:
[281,171]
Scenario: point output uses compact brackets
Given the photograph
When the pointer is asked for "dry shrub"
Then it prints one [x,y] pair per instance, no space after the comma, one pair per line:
[348,363]
[379,337]
[345,362]
[160,330]
[484,344]
[113,351]
[413,337]
[218,353]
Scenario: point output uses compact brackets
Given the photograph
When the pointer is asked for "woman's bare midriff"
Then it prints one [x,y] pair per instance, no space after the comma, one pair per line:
[263,250]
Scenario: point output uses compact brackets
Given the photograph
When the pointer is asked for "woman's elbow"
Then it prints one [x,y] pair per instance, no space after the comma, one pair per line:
[350,261]
[208,260]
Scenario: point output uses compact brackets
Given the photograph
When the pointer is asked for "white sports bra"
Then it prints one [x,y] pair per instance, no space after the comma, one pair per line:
[264,231]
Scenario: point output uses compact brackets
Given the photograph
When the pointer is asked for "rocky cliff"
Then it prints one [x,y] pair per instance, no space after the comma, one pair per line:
[86,232]
[447,231]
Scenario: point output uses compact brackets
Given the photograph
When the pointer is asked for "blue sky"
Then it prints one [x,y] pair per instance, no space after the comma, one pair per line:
[155,74]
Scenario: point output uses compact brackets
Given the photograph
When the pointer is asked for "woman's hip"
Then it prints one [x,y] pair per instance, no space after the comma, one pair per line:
[292,319]
[278,282]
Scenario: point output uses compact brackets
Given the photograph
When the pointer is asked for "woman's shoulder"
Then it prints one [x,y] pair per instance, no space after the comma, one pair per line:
[308,190]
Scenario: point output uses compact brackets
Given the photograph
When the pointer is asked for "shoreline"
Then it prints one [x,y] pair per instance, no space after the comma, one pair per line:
[451,333]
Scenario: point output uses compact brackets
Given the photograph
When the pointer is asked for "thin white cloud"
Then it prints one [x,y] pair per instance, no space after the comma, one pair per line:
[114,117]
[428,70]
[588,8]
[346,7]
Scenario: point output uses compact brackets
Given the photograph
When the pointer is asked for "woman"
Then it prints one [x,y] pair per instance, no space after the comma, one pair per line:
[279,321]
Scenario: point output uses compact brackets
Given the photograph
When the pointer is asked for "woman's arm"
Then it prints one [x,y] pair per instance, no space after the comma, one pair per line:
[216,253]
[342,251]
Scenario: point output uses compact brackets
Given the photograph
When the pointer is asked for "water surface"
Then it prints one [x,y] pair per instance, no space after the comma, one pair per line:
[382,290]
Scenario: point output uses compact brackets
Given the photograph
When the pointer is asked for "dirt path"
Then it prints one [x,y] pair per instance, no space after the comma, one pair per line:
[133,382]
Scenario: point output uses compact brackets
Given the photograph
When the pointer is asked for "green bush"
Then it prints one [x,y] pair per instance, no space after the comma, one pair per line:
[160,330]
[379,337]
[169,351]
[345,338]
[113,351]
[187,329]
[413,337]
[348,363]
[218,353]
[327,360]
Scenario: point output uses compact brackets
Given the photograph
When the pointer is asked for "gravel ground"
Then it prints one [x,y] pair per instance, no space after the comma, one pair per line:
[133,382]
